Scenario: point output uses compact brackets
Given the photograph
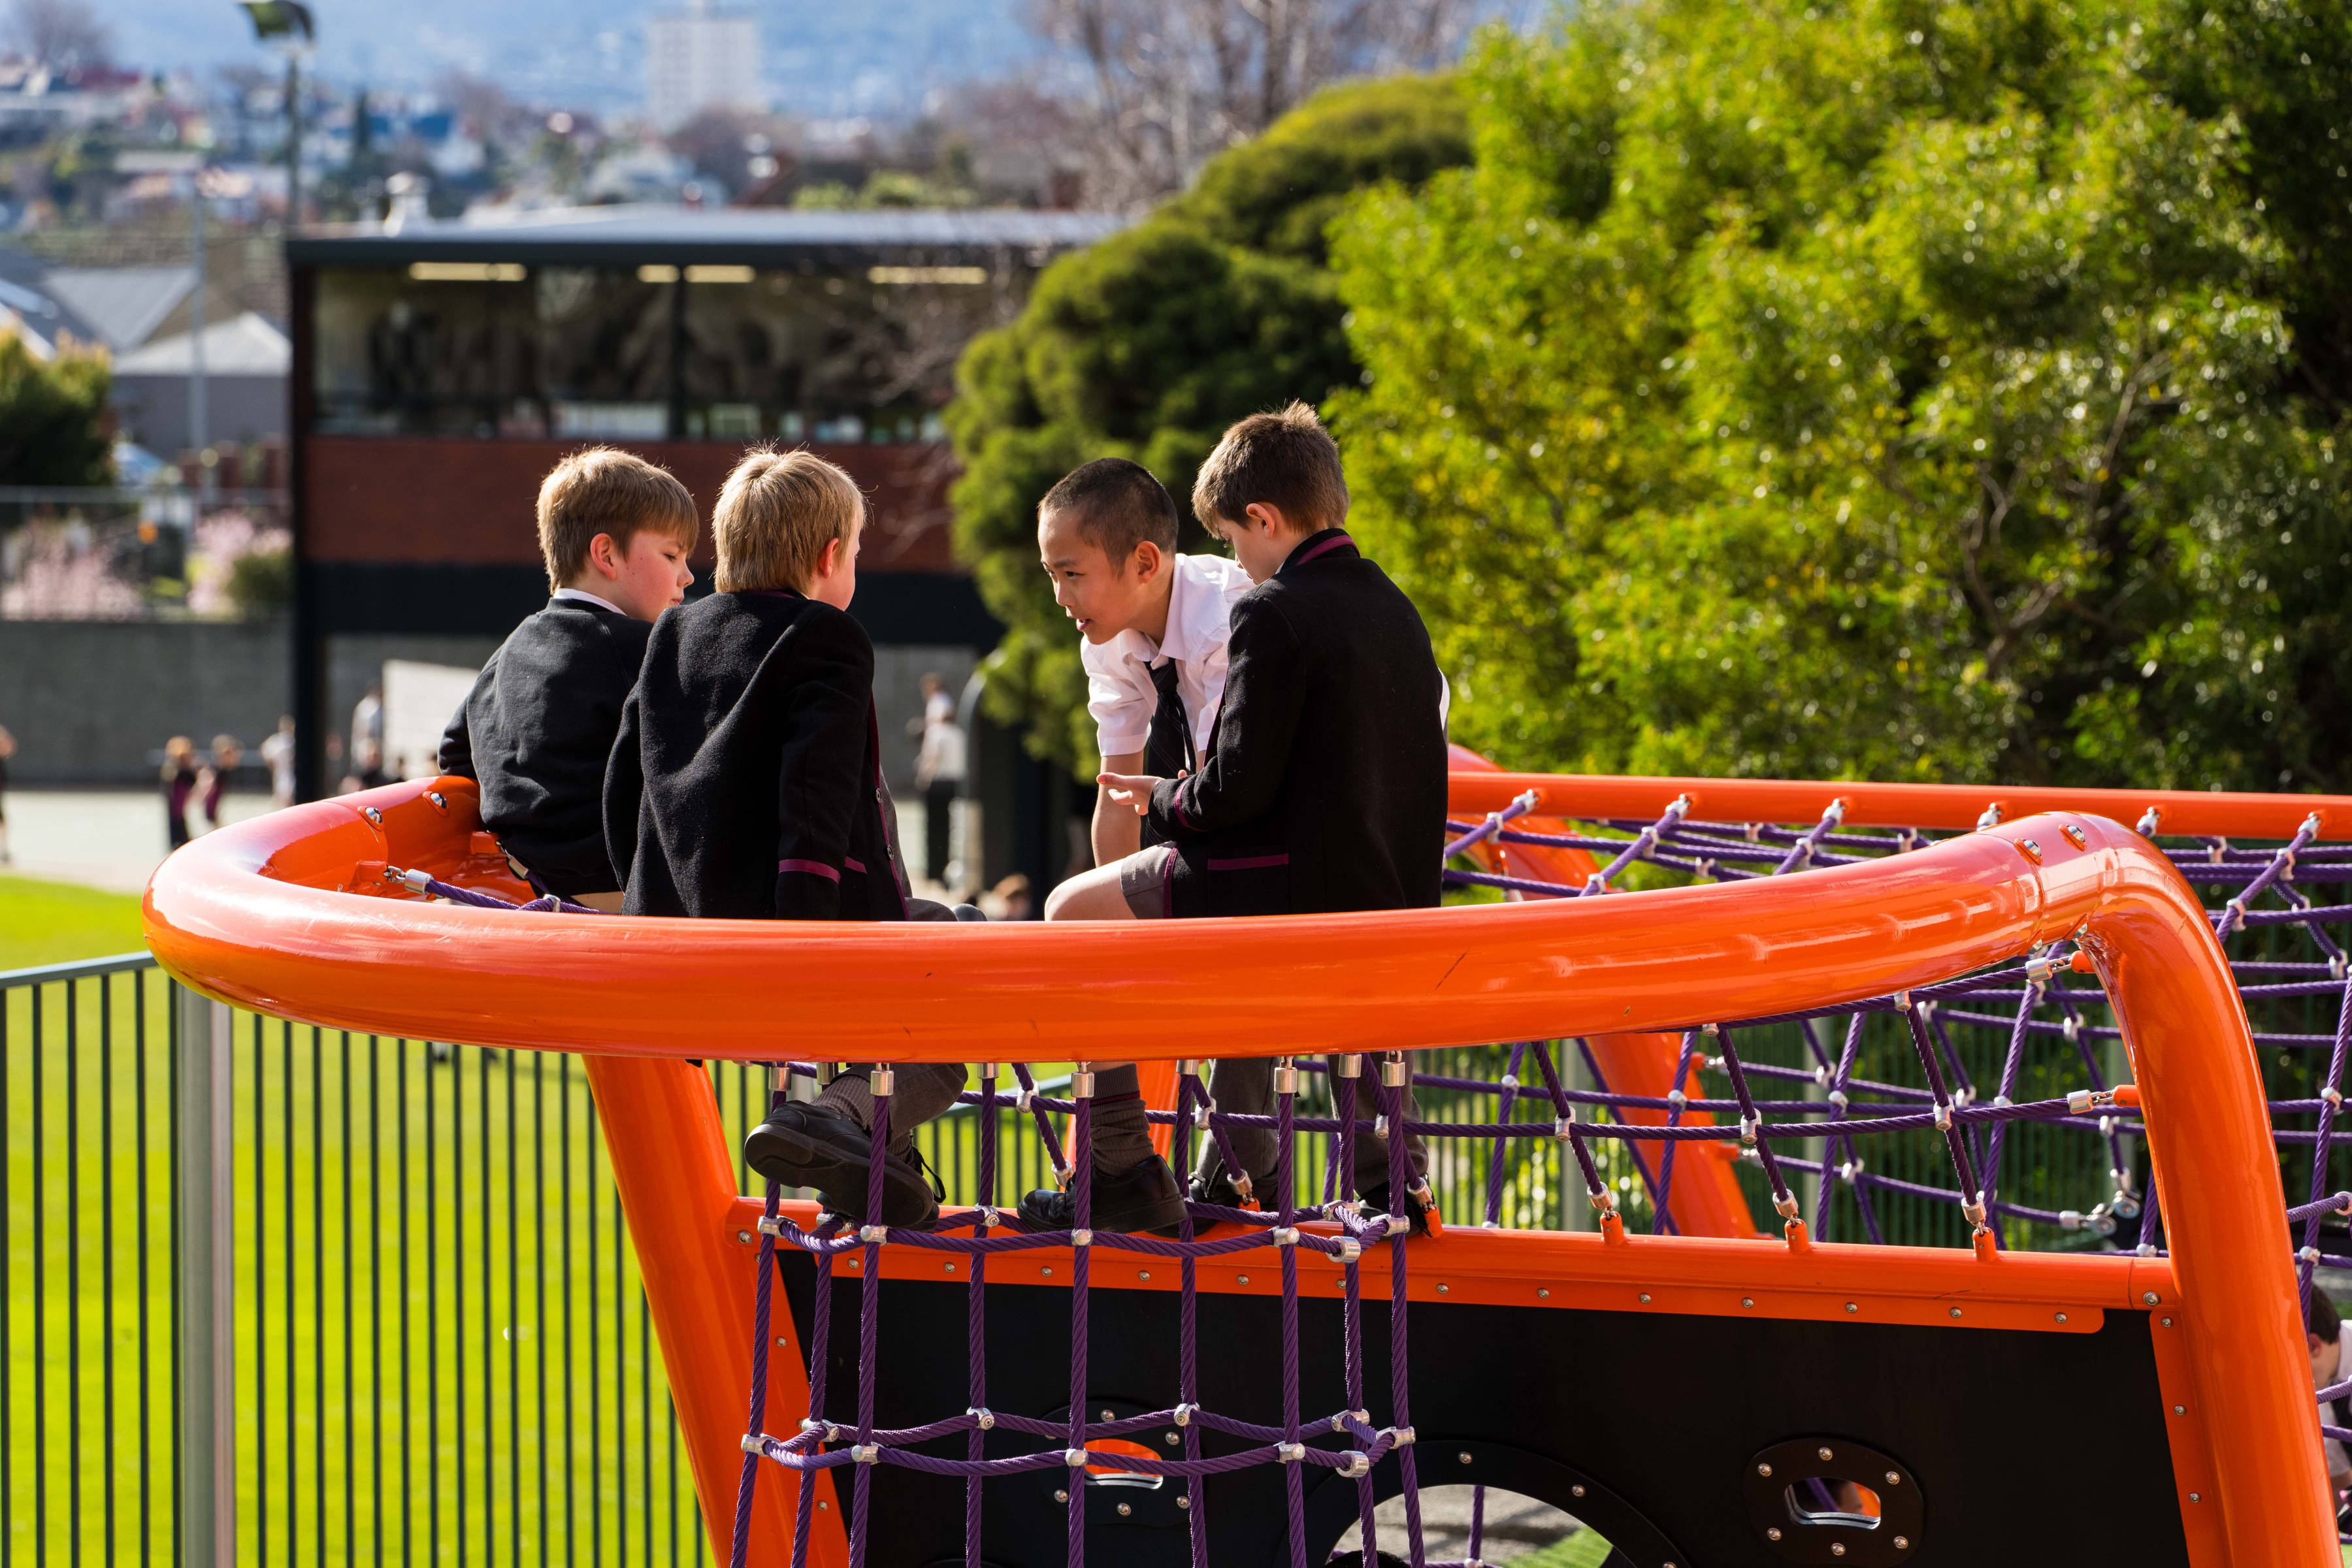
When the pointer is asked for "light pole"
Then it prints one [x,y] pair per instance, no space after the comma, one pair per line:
[286,23]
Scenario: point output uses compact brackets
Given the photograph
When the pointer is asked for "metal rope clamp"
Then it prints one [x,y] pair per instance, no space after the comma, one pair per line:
[1357,1465]
[983,1417]
[865,1453]
[1082,1239]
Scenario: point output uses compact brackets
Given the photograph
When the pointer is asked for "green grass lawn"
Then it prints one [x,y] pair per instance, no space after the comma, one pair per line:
[57,922]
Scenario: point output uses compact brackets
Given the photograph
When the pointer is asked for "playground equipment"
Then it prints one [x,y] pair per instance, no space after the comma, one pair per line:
[1242,1393]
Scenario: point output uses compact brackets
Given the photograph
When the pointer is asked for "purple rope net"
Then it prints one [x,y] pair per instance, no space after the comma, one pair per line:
[1891,1069]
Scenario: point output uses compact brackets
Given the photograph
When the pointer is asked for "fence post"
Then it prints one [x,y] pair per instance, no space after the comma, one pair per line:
[208,1434]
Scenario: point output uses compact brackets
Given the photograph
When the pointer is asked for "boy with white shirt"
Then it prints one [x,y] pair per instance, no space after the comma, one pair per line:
[1149,619]
[538,725]
[1153,626]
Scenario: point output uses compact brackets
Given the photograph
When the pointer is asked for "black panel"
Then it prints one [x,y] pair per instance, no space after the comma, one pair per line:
[2006,1432]
[931,608]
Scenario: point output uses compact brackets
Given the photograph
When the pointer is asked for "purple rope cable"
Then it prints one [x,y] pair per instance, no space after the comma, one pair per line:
[1954,1139]
[820,1357]
[1803,853]
[1750,1123]
[1831,1142]
[1593,1066]
[1189,1093]
[760,1297]
[1661,1219]
[2013,1062]
[1644,842]
[1519,806]
[869,1317]
[2309,1254]
[1478,1522]
[1082,1169]
[1293,1479]
[976,1320]
[1351,1309]
[1391,1099]
[1503,1113]
[426,882]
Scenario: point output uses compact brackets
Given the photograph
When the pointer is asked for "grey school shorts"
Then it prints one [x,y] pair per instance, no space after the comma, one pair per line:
[1143,878]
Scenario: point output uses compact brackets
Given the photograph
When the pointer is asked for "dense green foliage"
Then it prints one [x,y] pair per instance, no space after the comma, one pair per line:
[1903,388]
[1148,345]
[52,416]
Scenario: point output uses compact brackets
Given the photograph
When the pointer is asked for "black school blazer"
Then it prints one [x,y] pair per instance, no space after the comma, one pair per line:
[1323,786]
[747,782]
[536,733]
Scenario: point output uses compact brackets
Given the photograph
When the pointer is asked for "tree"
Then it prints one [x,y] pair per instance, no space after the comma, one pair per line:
[53,418]
[60,34]
[1902,388]
[1172,83]
[1150,344]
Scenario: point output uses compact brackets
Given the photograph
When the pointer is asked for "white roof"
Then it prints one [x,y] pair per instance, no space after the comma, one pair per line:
[247,345]
[125,304]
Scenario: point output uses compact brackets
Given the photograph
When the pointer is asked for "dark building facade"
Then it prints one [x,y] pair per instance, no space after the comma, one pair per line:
[439,372]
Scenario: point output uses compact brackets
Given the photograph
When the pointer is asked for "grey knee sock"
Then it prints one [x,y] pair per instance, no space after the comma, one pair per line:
[923,1091]
[1122,1131]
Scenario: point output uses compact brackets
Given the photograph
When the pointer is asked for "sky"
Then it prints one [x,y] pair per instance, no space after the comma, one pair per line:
[821,57]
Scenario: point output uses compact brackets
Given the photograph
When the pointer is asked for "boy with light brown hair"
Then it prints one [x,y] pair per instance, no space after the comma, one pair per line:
[747,785]
[536,731]
[1319,789]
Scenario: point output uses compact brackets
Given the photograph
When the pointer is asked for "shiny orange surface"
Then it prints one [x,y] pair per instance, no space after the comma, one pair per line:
[265,914]
[262,914]
[1952,807]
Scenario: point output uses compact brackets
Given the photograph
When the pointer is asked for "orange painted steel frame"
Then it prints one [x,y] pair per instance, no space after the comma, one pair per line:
[261,914]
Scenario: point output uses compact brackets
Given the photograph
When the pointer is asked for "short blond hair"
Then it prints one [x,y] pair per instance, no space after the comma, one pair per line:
[776,513]
[1285,460]
[607,490]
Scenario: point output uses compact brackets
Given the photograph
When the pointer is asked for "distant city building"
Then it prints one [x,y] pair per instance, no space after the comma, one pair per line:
[698,58]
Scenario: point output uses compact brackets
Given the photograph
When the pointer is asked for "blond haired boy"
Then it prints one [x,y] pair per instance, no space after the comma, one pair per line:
[747,785]
[538,724]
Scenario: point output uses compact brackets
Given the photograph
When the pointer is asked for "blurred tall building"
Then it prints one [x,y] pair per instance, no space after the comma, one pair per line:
[698,58]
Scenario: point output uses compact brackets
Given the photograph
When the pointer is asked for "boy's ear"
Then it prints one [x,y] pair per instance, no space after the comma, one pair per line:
[1147,558]
[604,554]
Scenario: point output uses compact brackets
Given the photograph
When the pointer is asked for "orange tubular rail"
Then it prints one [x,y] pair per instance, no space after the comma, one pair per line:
[262,914]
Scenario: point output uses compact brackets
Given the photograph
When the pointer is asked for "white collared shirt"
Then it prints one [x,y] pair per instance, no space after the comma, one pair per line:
[1119,692]
[583,595]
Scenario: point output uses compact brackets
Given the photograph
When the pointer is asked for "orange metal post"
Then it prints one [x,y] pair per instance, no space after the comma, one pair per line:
[677,1189]
[2218,1186]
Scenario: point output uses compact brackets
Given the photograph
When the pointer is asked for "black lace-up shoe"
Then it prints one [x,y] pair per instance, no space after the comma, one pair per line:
[1217,1188]
[1376,1201]
[809,1145]
[1144,1197]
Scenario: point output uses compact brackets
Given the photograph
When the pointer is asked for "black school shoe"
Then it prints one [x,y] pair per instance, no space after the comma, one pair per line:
[1376,1201]
[810,1145]
[1144,1197]
[1217,1188]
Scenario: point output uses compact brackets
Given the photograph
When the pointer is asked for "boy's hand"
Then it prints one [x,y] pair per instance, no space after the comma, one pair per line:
[1130,789]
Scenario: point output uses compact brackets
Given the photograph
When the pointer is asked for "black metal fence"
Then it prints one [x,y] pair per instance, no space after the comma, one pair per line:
[413,1255]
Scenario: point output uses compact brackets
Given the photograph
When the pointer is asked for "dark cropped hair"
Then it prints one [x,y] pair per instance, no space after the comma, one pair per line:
[2325,1320]
[1284,459]
[1116,506]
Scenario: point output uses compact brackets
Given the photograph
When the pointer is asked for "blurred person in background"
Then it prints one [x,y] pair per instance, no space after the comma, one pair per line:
[367,738]
[179,784]
[228,757]
[278,755]
[7,750]
[939,773]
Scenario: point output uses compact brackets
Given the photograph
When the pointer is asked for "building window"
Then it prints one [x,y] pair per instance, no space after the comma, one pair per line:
[722,353]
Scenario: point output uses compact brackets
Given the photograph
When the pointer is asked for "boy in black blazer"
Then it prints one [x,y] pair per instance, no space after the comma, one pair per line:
[747,785]
[537,728]
[1322,788]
